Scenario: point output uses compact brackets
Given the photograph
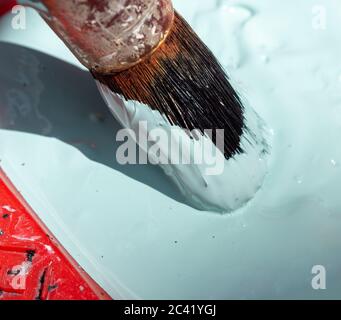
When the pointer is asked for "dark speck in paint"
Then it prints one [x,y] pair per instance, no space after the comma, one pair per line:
[41,285]
[30,254]
[13,272]
[52,287]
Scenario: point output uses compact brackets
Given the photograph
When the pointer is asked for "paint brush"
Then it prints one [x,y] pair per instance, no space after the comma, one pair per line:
[144,51]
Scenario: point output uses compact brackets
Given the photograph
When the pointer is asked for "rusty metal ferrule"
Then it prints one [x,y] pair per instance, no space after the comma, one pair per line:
[108,36]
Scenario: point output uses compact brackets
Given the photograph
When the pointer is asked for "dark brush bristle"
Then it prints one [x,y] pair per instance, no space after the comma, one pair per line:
[184,81]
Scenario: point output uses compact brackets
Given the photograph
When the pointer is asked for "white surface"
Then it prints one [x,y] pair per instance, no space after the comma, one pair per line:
[128,227]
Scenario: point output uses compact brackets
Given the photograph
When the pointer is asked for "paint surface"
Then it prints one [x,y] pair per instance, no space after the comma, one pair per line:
[128,226]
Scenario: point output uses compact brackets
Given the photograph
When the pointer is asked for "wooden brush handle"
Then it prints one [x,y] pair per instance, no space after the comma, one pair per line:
[109,36]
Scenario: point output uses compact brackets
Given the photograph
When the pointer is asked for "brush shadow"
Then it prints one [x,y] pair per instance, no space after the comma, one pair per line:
[43,95]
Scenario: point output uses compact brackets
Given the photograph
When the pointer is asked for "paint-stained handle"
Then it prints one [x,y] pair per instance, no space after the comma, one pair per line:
[108,36]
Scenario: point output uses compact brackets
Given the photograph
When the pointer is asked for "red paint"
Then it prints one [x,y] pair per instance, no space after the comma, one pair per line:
[33,265]
[26,244]
[6,5]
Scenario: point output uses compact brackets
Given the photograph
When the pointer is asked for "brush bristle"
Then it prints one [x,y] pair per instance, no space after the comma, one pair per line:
[184,81]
